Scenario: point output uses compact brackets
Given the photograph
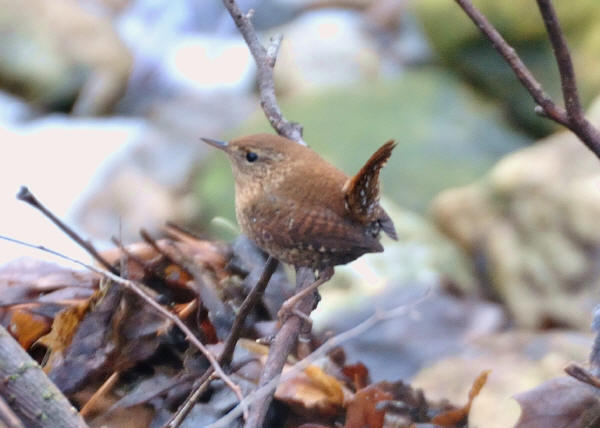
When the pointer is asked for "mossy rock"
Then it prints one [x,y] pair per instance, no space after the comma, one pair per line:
[460,45]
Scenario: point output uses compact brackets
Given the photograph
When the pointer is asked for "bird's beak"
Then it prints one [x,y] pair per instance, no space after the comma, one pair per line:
[222,145]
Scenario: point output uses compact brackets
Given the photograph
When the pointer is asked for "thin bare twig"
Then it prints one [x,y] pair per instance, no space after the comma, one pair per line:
[265,61]
[554,112]
[183,410]
[25,195]
[92,403]
[577,121]
[247,305]
[137,288]
[227,353]
[573,117]
[563,60]
[327,346]
[582,375]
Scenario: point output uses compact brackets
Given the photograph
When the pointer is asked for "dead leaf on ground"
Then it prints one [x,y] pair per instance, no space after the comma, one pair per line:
[363,411]
[114,335]
[358,375]
[63,329]
[153,365]
[27,326]
[456,417]
[313,391]
[26,279]
[32,292]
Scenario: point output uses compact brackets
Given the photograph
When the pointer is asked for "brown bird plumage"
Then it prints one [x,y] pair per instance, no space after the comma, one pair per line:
[301,209]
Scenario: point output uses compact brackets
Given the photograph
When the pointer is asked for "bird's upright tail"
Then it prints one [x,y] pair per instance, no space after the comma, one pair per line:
[361,192]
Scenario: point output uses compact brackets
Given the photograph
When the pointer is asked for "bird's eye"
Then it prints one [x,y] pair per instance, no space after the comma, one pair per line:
[251,156]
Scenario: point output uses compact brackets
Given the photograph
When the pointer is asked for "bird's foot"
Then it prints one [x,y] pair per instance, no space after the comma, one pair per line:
[289,306]
[290,310]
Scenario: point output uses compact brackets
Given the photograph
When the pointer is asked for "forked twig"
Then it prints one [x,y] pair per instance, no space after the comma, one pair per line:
[280,348]
[573,116]
[265,61]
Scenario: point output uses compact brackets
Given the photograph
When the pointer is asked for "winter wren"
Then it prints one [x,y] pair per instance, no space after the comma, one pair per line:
[302,210]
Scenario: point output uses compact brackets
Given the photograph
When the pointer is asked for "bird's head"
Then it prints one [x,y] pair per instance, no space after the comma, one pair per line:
[256,157]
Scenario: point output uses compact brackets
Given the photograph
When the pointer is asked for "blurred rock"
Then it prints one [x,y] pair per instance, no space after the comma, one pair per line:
[108,176]
[325,48]
[211,64]
[422,257]
[531,227]
[437,327]
[190,47]
[57,56]
[56,157]
[13,109]
[163,159]
[518,362]
[460,44]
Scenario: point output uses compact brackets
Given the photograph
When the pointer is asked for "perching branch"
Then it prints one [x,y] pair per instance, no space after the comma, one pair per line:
[265,61]
[280,348]
[573,117]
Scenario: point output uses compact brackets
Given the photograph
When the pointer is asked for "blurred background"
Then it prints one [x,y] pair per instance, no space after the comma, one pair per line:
[102,103]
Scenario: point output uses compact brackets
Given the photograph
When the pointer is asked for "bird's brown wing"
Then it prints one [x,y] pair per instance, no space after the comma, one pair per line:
[361,192]
[297,226]
[324,228]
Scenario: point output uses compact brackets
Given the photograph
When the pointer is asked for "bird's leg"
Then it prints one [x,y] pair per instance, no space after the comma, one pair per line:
[288,306]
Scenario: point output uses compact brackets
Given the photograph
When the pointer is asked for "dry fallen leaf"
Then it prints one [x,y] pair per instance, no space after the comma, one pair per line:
[362,410]
[26,279]
[32,292]
[27,326]
[358,375]
[312,391]
[454,417]
[63,329]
